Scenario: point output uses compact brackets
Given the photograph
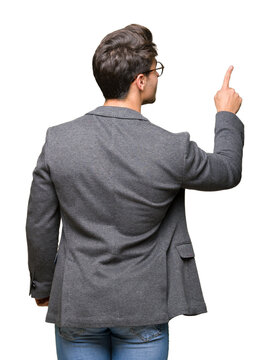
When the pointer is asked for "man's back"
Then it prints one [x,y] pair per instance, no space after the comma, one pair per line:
[115,175]
[117,182]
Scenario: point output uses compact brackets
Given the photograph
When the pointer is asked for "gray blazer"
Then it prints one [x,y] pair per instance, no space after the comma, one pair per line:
[118,183]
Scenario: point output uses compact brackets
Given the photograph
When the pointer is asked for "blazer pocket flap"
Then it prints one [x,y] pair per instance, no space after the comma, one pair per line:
[185,250]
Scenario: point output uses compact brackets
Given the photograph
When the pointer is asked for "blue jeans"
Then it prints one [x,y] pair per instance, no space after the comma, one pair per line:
[149,342]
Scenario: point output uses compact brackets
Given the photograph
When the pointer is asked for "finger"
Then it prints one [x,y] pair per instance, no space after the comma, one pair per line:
[42,300]
[44,304]
[227,77]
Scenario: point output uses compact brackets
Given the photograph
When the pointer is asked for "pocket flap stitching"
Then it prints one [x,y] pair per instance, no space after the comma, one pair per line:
[185,250]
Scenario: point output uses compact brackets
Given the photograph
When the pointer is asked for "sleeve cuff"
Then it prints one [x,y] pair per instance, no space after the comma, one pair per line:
[39,290]
[229,118]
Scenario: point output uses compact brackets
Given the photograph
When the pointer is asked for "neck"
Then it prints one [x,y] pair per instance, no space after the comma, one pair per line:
[124,103]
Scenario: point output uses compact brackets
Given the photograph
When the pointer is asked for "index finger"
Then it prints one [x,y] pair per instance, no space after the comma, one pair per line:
[227,77]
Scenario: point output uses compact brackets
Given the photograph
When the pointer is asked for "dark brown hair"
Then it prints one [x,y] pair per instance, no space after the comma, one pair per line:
[121,56]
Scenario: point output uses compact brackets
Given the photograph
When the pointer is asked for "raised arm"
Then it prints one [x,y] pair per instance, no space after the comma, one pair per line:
[221,169]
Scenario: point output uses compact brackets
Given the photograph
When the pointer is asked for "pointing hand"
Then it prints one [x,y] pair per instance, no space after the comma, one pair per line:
[226,99]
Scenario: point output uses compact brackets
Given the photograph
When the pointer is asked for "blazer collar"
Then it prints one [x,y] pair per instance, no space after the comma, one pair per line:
[117,112]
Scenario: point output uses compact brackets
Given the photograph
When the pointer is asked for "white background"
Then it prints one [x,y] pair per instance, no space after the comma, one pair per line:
[46,79]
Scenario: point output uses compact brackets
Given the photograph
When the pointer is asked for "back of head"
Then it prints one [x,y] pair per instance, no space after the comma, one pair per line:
[121,56]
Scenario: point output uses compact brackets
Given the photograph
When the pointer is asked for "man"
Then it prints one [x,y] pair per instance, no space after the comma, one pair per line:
[117,181]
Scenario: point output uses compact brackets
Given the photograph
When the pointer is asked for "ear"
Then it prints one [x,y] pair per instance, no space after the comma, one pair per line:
[140,81]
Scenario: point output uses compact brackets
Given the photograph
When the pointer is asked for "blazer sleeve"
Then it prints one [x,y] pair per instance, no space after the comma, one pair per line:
[221,169]
[42,227]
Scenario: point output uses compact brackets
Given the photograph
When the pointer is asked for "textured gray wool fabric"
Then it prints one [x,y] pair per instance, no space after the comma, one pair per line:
[117,182]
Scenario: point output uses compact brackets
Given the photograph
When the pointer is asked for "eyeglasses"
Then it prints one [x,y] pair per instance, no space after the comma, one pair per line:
[158,69]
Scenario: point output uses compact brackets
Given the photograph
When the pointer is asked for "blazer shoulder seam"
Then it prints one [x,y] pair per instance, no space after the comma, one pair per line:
[45,148]
[187,138]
